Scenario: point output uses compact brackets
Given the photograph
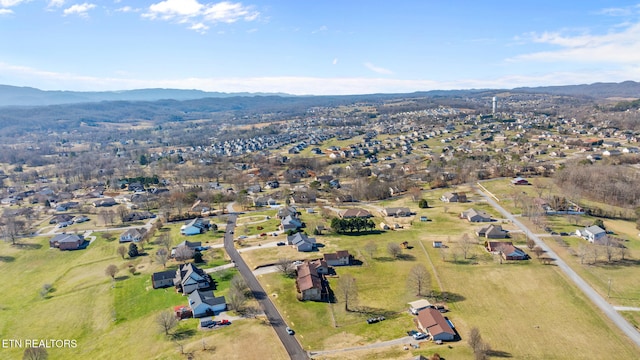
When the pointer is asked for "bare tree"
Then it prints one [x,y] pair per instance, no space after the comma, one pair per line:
[623,252]
[349,290]
[594,251]
[35,353]
[609,248]
[12,228]
[162,255]
[46,288]
[111,271]
[238,282]
[285,266]
[183,253]
[371,248]
[122,213]
[538,251]
[236,299]
[394,250]
[165,240]
[122,251]
[530,243]
[419,279]
[475,339]
[465,245]
[166,320]
[583,251]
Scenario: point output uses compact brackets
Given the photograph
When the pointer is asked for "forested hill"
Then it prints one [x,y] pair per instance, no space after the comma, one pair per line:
[626,89]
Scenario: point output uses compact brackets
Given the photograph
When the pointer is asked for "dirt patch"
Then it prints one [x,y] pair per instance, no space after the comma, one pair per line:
[343,340]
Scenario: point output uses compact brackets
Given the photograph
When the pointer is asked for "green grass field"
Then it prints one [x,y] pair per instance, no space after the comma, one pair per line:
[109,320]
[524,310]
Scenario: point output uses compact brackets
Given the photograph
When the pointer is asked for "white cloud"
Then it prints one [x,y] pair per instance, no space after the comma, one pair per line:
[127,9]
[621,47]
[55,3]
[10,3]
[322,28]
[6,11]
[197,15]
[79,9]
[335,61]
[377,69]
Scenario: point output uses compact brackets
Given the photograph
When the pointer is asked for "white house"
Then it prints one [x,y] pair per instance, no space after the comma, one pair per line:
[204,303]
[592,233]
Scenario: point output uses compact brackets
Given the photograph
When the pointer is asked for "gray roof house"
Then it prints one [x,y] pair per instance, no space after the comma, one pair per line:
[492,232]
[301,241]
[290,223]
[134,235]
[189,278]
[204,303]
[592,233]
[474,215]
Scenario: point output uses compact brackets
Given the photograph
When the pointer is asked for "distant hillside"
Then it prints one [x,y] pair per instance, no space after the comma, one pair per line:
[27,96]
[627,89]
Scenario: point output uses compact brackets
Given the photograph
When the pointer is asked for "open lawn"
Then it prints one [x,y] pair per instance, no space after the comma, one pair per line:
[108,320]
[525,310]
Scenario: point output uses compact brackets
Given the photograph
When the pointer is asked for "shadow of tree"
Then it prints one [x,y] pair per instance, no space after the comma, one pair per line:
[28,246]
[121,278]
[5,258]
[447,296]
[384,258]
[498,353]
[406,257]
[183,334]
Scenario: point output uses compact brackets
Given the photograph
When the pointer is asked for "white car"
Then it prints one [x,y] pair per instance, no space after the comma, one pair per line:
[419,336]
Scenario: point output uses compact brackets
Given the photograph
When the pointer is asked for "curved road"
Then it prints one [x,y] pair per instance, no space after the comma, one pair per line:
[293,347]
[598,300]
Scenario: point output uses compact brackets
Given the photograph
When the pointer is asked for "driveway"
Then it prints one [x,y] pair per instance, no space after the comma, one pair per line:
[401,341]
[598,300]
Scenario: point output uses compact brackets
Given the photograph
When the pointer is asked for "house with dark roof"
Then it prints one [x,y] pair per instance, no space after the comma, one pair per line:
[302,242]
[290,223]
[397,212]
[492,232]
[338,258]
[189,278]
[355,213]
[473,215]
[163,279]
[66,241]
[519,181]
[450,197]
[205,303]
[309,282]
[194,227]
[430,321]
[506,249]
[104,202]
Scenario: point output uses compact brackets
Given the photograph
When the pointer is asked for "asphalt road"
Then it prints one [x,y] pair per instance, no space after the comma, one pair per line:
[291,344]
[598,300]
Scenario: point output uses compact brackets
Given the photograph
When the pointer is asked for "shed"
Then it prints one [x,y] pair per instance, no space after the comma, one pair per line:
[416,306]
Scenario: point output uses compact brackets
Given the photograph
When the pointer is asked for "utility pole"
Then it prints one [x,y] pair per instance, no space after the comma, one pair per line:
[609,289]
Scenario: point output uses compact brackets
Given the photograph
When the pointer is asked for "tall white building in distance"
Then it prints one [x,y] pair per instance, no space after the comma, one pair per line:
[495,102]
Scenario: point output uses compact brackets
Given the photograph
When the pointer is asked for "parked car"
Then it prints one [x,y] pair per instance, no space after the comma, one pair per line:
[242,237]
[274,234]
[290,331]
[419,336]
[263,234]
[280,243]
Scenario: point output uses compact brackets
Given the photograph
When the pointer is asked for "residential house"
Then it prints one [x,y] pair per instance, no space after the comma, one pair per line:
[264,201]
[397,211]
[189,278]
[193,245]
[302,242]
[134,235]
[309,282]
[339,258]
[205,303]
[290,223]
[59,219]
[454,197]
[431,321]
[163,279]
[506,249]
[139,215]
[473,215]
[355,213]
[66,241]
[285,211]
[194,227]
[104,202]
[593,234]
[345,198]
[492,232]
[416,306]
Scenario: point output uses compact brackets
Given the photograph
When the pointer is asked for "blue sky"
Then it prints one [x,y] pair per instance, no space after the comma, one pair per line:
[316,47]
